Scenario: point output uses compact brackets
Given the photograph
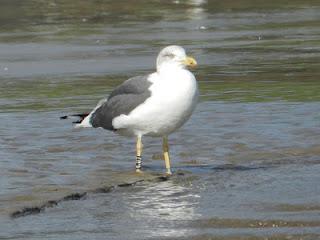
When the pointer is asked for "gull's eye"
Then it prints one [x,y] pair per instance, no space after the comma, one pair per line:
[169,55]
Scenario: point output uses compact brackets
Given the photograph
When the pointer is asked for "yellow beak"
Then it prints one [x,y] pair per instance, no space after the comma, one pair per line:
[190,61]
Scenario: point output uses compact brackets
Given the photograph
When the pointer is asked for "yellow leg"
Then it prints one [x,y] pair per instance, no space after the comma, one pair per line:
[165,148]
[139,153]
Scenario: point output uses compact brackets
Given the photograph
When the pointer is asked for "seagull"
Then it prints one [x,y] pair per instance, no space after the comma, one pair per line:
[154,105]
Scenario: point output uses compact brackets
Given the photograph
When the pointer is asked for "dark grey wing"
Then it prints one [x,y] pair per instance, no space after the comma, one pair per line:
[135,85]
[122,100]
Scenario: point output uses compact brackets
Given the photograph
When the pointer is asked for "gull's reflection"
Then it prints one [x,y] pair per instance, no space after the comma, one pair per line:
[161,206]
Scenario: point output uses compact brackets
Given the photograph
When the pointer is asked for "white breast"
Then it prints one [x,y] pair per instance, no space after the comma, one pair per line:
[173,98]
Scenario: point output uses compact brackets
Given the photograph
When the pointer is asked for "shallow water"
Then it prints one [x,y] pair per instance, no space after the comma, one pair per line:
[246,164]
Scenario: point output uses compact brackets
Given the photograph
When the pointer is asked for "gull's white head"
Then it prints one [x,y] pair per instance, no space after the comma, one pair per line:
[174,56]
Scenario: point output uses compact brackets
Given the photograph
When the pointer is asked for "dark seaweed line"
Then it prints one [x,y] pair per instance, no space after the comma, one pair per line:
[26,211]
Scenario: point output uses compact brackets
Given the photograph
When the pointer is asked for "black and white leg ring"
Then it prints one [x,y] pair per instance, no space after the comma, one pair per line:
[138,162]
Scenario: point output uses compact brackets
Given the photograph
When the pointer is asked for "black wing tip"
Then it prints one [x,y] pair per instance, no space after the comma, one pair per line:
[77,122]
[81,117]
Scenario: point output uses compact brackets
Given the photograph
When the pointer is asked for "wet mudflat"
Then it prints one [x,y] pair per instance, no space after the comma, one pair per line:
[246,165]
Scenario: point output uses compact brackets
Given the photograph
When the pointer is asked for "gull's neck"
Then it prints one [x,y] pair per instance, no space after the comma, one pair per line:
[169,67]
